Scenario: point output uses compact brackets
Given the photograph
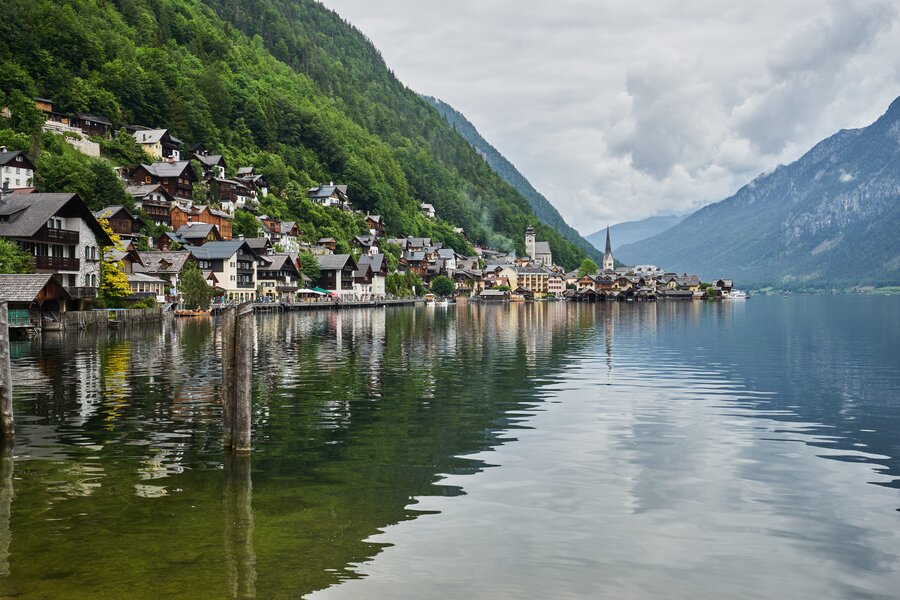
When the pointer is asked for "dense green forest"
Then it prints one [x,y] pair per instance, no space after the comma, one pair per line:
[286,86]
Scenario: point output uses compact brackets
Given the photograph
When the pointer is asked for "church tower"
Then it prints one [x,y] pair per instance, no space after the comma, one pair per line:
[609,263]
[529,242]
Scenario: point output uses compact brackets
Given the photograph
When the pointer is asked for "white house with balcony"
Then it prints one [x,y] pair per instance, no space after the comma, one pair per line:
[61,233]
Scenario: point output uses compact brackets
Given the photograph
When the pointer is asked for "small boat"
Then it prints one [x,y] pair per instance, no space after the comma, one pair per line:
[430,298]
[738,295]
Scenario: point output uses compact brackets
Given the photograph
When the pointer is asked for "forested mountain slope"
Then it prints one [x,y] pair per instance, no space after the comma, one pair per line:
[830,219]
[287,86]
[542,207]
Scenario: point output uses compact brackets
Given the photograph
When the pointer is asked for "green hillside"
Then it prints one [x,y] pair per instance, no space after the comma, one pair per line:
[287,86]
[545,211]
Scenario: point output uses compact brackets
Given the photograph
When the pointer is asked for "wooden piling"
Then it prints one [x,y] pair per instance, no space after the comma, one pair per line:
[243,371]
[7,424]
[240,555]
[7,493]
[228,352]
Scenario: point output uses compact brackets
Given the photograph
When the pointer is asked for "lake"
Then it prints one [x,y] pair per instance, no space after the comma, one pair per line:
[668,450]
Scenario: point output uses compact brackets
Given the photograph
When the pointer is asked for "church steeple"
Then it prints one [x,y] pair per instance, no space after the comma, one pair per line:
[609,263]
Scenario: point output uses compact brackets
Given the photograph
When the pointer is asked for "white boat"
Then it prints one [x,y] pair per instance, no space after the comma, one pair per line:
[738,295]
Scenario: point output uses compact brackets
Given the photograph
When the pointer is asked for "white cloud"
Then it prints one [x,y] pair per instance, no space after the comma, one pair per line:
[618,112]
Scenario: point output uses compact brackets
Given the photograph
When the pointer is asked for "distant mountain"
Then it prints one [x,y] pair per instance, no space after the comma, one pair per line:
[633,231]
[830,219]
[545,211]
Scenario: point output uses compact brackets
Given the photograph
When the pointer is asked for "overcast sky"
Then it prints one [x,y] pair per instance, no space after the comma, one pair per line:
[617,111]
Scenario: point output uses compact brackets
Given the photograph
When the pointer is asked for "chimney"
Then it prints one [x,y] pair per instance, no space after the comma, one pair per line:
[2,148]
[171,159]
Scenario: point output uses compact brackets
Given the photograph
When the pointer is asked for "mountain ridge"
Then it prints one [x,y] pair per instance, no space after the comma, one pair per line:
[543,208]
[829,219]
[630,232]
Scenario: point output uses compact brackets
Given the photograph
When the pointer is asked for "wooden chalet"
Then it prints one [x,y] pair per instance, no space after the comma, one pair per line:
[177,177]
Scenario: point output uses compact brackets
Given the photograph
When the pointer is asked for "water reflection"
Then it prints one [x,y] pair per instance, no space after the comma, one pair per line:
[638,429]
[240,557]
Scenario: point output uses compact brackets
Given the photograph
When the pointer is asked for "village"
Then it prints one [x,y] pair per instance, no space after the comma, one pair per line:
[69,243]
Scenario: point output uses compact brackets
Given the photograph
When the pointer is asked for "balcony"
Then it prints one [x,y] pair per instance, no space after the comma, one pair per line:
[58,236]
[82,293]
[246,285]
[57,263]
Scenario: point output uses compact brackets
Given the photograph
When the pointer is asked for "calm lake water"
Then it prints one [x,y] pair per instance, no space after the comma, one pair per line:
[672,450]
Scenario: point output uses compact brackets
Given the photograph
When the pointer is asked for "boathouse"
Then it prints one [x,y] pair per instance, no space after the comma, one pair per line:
[35,301]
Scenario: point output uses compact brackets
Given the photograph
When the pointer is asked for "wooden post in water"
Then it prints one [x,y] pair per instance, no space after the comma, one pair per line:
[243,373]
[7,425]
[240,556]
[7,492]
[228,342]
[237,377]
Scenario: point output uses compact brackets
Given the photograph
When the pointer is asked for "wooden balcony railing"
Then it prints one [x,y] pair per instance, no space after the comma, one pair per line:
[57,263]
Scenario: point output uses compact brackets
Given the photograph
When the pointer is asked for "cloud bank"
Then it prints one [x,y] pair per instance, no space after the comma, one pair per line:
[618,112]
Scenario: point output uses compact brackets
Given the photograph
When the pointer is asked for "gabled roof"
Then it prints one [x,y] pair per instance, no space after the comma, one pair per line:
[542,248]
[170,169]
[414,256]
[335,262]
[84,116]
[365,240]
[374,218]
[210,160]
[326,191]
[142,191]
[195,231]
[162,262]
[152,136]
[111,211]
[376,262]
[8,157]
[22,215]
[25,288]
[259,244]
[243,171]
[279,262]
[222,250]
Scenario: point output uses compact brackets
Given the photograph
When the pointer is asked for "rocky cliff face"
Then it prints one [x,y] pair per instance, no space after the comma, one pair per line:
[832,218]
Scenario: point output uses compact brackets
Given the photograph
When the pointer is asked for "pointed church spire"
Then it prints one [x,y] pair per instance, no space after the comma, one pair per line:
[609,263]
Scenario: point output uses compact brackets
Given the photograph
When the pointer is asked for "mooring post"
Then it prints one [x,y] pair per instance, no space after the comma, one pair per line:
[228,352]
[240,555]
[7,425]
[243,374]
[7,493]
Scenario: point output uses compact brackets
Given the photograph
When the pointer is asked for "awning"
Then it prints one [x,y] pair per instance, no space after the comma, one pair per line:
[318,291]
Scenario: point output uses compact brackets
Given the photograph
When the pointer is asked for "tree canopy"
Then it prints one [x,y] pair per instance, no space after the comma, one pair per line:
[284,85]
